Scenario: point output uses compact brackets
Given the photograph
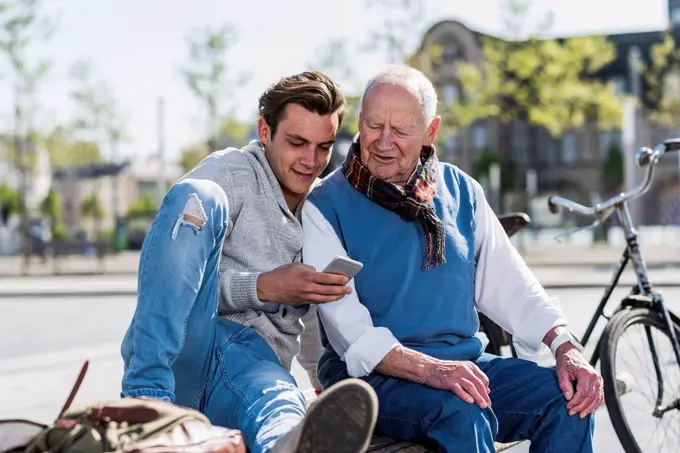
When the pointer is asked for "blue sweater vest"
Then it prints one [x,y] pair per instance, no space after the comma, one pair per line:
[430,311]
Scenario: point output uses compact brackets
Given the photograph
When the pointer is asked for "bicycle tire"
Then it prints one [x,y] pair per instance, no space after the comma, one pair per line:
[610,337]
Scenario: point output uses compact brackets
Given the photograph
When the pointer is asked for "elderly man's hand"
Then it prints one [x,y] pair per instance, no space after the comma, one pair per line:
[572,366]
[465,379]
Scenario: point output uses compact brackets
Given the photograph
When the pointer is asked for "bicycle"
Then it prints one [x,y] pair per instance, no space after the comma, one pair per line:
[642,307]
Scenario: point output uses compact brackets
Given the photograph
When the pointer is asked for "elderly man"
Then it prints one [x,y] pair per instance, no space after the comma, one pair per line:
[433,253]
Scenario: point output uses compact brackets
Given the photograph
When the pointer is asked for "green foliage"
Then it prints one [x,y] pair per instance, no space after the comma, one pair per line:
[663,80]
[9,198]
[206,73]
[351,122]
[545,82]
[192,155]
[97,116]
[232,132]
[92,208]
[21,26]
[50,207]
[144,206]
[613,168]
[65,151]
[402,26]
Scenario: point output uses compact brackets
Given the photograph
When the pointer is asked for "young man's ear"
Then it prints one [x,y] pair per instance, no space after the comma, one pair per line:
[263,132]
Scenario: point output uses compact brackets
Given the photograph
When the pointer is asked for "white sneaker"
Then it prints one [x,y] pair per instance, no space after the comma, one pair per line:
[340,421]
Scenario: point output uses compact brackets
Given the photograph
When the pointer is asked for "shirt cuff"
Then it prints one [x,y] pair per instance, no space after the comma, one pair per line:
[528,338]
[368,351]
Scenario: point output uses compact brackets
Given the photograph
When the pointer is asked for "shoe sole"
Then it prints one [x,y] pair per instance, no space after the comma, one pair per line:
[341,420]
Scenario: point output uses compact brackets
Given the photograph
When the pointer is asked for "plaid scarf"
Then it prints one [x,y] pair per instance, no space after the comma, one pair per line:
[412,202]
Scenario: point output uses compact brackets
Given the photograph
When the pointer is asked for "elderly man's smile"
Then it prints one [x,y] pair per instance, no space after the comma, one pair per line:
[383,159]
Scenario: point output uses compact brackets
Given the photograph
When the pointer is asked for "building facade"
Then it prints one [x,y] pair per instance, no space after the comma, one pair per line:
[570,165]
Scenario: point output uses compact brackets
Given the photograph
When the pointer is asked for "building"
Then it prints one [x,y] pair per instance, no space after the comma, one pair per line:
[116,187]
[570,165]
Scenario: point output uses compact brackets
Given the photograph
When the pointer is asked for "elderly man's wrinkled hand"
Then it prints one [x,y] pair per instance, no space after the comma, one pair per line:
[573,367]
[465,379]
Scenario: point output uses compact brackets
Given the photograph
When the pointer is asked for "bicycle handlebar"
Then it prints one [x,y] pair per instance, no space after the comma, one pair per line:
[645,158]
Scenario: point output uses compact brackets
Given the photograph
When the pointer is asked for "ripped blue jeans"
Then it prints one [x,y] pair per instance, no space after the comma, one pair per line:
[176,348]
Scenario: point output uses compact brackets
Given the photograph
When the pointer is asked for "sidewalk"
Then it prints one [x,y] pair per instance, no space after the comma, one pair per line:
[125,263]
[82,286]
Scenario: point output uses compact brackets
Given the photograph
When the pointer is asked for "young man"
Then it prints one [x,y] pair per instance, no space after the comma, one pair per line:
[228,240]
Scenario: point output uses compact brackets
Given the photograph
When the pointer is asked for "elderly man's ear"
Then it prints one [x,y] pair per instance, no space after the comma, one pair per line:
[432,130]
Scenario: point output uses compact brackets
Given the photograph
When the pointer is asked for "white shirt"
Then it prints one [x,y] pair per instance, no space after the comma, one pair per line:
[505,290]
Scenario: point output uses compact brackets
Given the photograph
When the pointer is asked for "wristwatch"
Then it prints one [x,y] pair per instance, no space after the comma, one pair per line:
[562,338]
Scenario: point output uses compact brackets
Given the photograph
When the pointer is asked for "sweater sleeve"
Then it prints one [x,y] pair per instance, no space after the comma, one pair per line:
[237,289]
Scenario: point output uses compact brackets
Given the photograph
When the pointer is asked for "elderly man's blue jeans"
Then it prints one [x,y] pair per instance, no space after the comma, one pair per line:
[526,403]
[178,349]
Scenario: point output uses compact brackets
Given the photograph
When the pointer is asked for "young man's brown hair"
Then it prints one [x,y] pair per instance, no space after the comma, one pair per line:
[313,90]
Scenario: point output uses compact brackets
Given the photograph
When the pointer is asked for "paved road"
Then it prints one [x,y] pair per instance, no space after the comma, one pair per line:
[43,341]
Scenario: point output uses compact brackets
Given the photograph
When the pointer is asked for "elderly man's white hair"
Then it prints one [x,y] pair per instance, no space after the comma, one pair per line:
[411,79]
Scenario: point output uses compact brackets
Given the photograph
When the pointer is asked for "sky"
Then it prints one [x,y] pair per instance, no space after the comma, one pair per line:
[138,47]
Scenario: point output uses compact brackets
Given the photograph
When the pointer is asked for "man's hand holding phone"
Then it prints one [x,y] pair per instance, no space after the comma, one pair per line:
[298,283]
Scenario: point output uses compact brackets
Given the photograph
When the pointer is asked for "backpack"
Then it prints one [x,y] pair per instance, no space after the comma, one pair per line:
[128,425]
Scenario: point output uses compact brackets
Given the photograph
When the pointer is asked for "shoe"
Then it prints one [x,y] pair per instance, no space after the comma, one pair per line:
[340,421]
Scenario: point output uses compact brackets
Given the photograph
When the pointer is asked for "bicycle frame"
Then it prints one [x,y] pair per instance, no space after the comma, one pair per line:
[642,294]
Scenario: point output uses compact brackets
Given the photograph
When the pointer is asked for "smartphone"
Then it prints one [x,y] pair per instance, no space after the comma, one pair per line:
[344,266]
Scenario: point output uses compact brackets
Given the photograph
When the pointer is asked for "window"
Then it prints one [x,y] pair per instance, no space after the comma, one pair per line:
[569,147]
[674,14]
[450,93]
[479,137]
[451,145]
[553,151]
[449,53]
[671,86]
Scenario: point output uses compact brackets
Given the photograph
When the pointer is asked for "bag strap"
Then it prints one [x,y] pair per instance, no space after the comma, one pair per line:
[74,389]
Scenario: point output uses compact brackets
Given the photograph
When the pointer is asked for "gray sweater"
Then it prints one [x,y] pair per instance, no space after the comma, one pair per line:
[262,235]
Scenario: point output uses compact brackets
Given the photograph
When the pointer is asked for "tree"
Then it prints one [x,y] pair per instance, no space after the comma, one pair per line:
[390,37]
[9,202]
[546,82]
[65,151]
[91,208]
[613,168]
[50,208]
[334,58]
[663,81]
[206,73]
[192,155]
[97,118]
[144,206]
[232,133]
[21,25]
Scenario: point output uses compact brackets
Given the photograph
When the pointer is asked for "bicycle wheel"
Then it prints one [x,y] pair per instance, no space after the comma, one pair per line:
[626,377]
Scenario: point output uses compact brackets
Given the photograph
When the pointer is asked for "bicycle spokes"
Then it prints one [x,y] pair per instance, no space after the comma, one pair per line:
[652,406]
